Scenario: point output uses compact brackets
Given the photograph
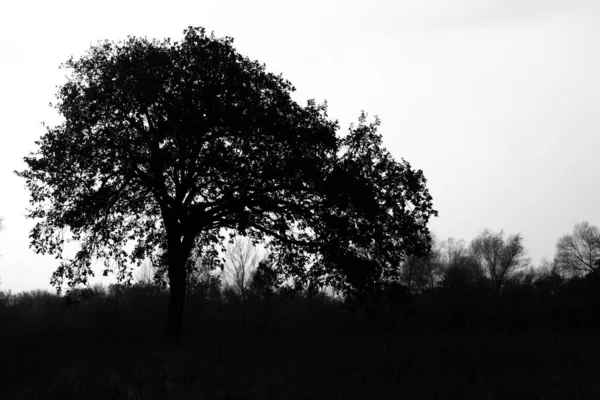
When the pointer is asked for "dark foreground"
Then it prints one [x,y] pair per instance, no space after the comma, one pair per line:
[452,366]
[88,353]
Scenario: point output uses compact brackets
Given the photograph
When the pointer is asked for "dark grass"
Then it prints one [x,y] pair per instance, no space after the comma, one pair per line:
[304,349]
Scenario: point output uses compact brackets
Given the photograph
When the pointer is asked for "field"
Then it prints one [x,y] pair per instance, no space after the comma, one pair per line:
[294,349]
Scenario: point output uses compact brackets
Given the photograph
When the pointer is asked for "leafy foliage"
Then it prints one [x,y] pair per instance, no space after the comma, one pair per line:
[165,144]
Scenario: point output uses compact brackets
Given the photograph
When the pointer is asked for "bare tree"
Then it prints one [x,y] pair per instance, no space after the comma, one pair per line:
[453,252]
[241,260]
[576,254]
[499,256]
[458,266]
[146,272]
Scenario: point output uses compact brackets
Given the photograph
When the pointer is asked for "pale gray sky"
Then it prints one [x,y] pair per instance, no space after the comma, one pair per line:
[497,102]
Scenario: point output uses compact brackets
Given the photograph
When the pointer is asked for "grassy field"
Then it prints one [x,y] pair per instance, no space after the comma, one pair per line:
[424,366]
[307,352]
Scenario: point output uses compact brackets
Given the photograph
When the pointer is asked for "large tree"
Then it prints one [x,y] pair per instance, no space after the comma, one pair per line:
[577,253]
[164,144]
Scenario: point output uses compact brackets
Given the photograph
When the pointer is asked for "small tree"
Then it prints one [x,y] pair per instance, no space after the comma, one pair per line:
[577,254]
[459,266]
[499,256]
[241,261]
[423,273]
[265,282]
[453,252]
[264,279]
[146,272]
[203,283]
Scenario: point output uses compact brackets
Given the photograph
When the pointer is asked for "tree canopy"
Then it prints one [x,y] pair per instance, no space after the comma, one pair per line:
[166,144]
[499,256]
[579,253]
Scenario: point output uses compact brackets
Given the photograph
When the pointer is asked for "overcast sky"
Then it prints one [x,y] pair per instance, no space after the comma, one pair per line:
[498,102]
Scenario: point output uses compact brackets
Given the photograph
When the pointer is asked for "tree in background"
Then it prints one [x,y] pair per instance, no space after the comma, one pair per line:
[548,279]
[265,283]
[459,266]
[146,273]
[202,281]
[453,251]
[423,273]
[166,143]
[241,260]
[499,256]
[264,280]
[577,254]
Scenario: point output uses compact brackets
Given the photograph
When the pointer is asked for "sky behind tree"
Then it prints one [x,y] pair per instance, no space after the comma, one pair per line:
[497,102]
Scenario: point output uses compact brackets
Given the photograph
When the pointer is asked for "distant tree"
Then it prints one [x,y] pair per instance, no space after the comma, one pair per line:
[548,279]
[165,143]
[146,273]
[577,254]
[465,270]
[499,256]
[453,251]
[423,273]
[460,267]
[201,279]
[241,260]
[264,280]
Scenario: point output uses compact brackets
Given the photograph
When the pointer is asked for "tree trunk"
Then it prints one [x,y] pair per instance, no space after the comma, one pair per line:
[177,255]
[176,297]
[244,313]
[498,284]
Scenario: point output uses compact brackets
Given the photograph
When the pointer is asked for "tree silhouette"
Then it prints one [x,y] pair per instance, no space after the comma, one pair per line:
[577,253]
[499,256]
[165,143]
[423,273]
[242,259]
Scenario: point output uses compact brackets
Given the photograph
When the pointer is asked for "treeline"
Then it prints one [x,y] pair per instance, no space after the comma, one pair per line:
[492,283]
[487,284]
